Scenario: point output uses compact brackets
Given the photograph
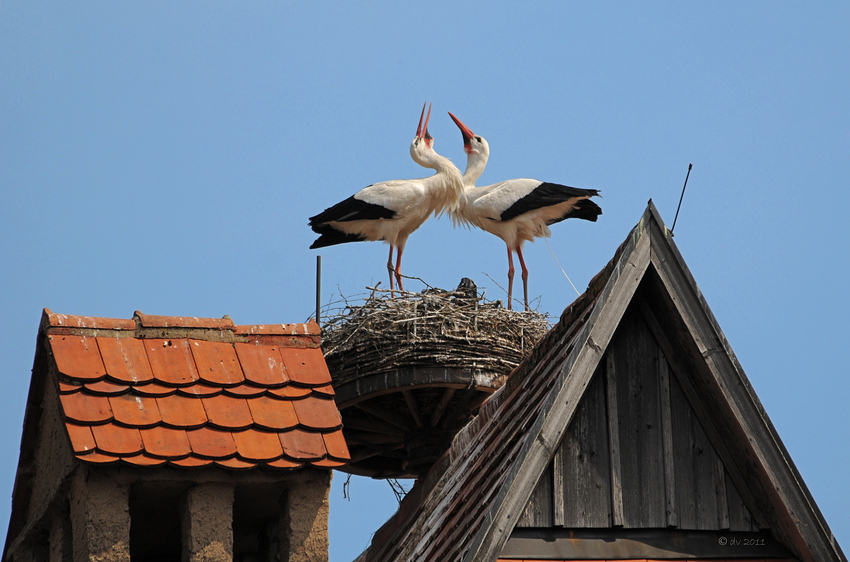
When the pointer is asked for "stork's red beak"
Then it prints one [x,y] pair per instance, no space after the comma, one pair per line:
[422,132]
[426,135]
[465,131]
[421,116]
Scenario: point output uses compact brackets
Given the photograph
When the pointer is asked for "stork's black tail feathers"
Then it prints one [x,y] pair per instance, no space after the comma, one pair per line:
[585,209]
[331,237]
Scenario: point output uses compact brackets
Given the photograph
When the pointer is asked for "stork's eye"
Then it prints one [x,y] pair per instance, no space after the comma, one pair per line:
[478,139]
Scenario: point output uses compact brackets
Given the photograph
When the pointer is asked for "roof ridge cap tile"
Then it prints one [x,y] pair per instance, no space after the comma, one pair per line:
[159,321]
[295,329]
[51,319]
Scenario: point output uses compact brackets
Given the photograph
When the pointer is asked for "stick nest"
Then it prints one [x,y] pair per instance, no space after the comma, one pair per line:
[434,328]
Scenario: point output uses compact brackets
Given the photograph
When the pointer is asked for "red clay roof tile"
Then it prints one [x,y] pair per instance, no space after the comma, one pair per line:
[245,391]
[200,390]
[212,443]
[154,321]
[235,463]
[134,410]
[106,388]
[257,445]
[125,359]
[285,463]
[262,364]
[66,387]
[291,392]
[143,460]
[217,362]
[77,357]
[227,412]
[326,390]
[88,321]
[306,366]
[317,413]
[117,440]
[154,389]
[193,399]
[177,411]
[166,443]
[269,413]
[81,438]
[303,445]
[86,409]
[308,329]
[191,462]
[327,463]
[98,458]
[336,446]
[171,361]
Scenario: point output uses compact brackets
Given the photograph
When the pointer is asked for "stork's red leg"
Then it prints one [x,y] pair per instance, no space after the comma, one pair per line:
[398,270]
[510,277]
[524,276]
[390,269]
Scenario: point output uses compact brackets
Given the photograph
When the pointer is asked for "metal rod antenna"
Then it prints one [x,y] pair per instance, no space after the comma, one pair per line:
[318,289]
[691,165]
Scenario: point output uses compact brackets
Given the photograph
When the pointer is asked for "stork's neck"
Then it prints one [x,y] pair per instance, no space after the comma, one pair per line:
[443,165]
[475,164]
[449,180]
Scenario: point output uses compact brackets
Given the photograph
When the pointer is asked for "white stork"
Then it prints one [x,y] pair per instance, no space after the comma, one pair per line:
[392,210]
[516,210]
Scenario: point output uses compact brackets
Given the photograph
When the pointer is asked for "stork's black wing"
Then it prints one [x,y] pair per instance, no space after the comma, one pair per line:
[351,209]
[548,194]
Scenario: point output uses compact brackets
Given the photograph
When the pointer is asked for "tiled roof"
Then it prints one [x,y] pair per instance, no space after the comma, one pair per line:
[192,392]
[440,516]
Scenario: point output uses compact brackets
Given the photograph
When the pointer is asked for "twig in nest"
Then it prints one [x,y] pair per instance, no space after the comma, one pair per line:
[397,489]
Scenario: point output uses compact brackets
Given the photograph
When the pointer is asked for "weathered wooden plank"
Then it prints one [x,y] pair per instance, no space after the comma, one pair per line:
[538,510]
[558,488]
[722,503]
[586,489]
[705,462]
[641,449]
[618,518]
[643,544]
[684,461]
[667,441]
[696,462]
[739,516]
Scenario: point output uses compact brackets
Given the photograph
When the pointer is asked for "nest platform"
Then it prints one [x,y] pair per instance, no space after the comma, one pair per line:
[409,372]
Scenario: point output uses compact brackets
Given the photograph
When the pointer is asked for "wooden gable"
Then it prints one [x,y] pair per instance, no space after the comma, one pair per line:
[658,436]
[629,433]
[642,454]
[636,454]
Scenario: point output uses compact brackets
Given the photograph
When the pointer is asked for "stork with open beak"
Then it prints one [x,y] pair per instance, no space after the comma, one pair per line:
[516,210]
[392,210]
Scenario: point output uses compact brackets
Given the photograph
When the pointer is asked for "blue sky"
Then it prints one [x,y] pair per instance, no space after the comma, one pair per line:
[165,156]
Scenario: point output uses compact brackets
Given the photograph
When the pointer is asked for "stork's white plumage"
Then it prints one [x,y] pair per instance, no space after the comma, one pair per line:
[515,210]
[392,210]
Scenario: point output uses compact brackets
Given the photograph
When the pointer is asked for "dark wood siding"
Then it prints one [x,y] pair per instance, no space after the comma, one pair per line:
[584,454]
[635,455]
